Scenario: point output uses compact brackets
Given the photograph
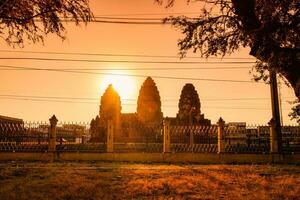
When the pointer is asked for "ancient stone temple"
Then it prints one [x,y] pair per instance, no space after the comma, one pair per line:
[149,104]
[134,127]
[97,132]
[110,104]
[110,107]
[190,108]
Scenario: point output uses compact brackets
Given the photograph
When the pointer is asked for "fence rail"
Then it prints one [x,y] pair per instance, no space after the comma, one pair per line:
[221,138]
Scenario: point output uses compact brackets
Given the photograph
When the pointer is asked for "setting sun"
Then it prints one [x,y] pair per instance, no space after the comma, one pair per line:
[124,85]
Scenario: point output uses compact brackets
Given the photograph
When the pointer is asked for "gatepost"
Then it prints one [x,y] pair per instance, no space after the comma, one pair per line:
[52,134]
[191,137]
[273,137]
[167,138]
[221,137]
[258,135]
[82,139]
[110,136]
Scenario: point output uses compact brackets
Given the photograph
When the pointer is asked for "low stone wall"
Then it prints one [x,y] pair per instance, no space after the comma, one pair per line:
[200,158]
[26,156]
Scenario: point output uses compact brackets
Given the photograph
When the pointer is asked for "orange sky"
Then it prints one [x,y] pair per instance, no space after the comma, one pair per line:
[128,39]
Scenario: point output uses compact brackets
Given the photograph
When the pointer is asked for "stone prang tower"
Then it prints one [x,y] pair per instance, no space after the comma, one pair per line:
[149,104]
[110,107]
[189,107]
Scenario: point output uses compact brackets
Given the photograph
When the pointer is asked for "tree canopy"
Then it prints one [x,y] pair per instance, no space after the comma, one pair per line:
[31,20]
[270,28]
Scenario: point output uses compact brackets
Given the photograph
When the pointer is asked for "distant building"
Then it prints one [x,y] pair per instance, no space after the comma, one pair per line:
[11,125]
[5,119]
[64,133]
[236,124]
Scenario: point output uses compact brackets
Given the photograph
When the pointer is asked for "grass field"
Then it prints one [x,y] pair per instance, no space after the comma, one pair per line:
[75,181]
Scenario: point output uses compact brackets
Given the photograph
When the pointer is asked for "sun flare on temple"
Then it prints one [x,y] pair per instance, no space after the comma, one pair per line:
[148,112]
[123,84]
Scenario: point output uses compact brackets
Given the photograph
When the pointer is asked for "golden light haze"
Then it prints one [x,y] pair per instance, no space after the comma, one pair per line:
[249,102]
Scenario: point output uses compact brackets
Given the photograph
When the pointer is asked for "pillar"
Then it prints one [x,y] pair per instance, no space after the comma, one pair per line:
[52,134]
[167,139]
[273,137]
[191,137]
[221,137]
[258,135]
[110,136]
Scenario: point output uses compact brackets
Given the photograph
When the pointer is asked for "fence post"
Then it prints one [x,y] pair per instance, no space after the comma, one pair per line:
[273,137]
[191,136]
[110,136]
[52,134]
[258,135]
[221,138]
[167,138]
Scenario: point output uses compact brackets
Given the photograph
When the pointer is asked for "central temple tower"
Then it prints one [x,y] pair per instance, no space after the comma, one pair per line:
[149,104]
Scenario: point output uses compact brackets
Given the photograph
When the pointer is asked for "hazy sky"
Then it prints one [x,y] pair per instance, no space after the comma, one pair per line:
[232,101]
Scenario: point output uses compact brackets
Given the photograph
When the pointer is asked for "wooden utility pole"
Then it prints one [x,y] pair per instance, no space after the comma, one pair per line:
[275,108]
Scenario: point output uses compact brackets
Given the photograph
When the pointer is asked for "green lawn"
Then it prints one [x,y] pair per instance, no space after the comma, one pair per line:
[147,181]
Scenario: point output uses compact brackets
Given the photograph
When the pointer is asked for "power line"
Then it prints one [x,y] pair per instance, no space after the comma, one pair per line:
[47,97]
[139,76]
[120,55]
[130,18]
[81,102]
[147,14]
[126,22]
[122,61]
[9,67]
[92,98]
[45,100]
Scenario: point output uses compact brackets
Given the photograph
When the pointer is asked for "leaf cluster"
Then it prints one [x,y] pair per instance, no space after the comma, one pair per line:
[221,27]
[31,20]
[295,113]
[216,31]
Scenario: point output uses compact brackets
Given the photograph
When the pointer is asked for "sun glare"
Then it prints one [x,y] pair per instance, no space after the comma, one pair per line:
[124,85]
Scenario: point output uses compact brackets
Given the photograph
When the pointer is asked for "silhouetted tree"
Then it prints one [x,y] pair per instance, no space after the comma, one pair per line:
[269,27]
[34,19]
